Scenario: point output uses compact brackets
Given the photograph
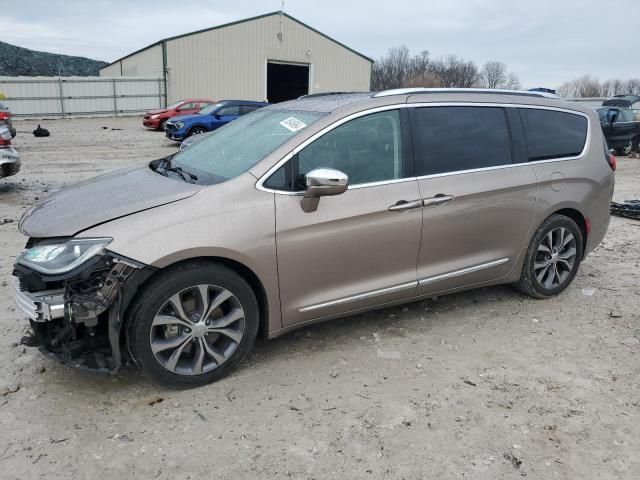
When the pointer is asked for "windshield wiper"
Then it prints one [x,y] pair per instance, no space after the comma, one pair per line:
[187,176]
[164,167]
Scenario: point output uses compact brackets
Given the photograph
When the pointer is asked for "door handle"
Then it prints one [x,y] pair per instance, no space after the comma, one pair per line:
[439,199]
[403,205]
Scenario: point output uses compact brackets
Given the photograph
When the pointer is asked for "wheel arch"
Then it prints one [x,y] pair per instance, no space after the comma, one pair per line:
[241,269]
[197,125]
[580,220]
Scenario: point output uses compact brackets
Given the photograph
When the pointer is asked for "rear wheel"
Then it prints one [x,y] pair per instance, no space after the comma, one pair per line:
[623,151]
[193,324]
[196,131]
[552,259]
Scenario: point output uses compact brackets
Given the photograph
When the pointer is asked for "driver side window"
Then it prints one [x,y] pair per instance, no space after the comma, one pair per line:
[368,149]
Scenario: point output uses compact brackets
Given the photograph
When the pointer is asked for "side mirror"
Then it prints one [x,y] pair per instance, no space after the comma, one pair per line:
[322,182]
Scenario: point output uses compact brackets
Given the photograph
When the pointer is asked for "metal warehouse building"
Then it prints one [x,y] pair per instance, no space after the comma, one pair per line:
[272,57]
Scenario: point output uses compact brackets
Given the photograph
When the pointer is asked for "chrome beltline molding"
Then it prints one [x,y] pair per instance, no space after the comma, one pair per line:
[404,286]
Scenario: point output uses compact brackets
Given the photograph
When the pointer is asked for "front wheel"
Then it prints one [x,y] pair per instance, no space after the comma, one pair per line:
[193,324]
[552,259]
[196,131]
[163,125]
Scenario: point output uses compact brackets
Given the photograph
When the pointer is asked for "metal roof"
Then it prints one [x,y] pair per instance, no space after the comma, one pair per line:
[278,12]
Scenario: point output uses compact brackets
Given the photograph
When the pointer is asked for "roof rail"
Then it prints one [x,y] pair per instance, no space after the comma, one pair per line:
[407,91]
[324,94]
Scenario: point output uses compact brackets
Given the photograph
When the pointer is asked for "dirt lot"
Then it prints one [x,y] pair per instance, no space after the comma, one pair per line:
[483,385]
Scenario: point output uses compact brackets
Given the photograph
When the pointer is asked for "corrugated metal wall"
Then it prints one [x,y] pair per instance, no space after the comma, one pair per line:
[147,63]
[69,96]
[230,62]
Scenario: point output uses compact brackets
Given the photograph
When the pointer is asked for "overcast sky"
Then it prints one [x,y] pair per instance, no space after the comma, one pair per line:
[544,42]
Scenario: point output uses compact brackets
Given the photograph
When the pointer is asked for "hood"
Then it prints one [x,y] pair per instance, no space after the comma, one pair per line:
[184,117]
[101,199]
[156,112]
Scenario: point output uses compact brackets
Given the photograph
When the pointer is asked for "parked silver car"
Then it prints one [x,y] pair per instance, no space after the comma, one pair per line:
[9,158]
[310,210]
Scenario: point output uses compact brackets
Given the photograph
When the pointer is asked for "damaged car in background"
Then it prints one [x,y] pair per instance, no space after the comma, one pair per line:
[310,210]
[9,158]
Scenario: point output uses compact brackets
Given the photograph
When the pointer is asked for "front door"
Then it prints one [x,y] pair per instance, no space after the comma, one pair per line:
[225,115]
[359,248]
[478,204]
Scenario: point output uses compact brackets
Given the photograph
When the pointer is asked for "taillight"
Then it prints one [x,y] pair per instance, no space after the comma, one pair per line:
[4,115]
[611,160]
[5,143]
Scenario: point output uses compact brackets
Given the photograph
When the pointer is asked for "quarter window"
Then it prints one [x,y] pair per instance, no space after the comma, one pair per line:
[452,139]
[552,134]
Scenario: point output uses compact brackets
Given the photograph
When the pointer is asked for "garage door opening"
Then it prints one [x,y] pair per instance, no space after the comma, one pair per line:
[286,81]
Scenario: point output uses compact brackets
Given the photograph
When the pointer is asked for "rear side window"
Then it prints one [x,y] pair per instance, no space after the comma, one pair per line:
[552,134]
[244,109]
[451,139]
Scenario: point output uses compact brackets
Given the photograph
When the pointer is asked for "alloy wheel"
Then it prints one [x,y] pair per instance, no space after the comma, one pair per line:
[197,329]
[555,258]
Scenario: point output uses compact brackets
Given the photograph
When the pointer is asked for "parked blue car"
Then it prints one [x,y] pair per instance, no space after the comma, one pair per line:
[209,118]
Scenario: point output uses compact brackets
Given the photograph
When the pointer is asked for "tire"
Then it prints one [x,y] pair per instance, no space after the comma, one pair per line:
[552,245]
[163,125]
[187,353]
[623,151]
[196,131]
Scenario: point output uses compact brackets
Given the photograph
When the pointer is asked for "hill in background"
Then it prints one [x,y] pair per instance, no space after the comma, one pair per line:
[18,61]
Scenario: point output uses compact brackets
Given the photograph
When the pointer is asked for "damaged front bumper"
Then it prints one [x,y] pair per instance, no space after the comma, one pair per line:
[41,306]
[77,318]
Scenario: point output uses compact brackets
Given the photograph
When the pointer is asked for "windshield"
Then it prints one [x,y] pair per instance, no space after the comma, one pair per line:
[209,109]
[239,145]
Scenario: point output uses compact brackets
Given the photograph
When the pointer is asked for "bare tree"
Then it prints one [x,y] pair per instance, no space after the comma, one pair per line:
[495,75]
[401,69]
[392,70]
[513,82]
[585,86]
[453,72]
[424,80]
[613,87]
[632,86]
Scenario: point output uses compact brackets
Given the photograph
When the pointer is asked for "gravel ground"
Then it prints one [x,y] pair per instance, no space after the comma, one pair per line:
[485,385]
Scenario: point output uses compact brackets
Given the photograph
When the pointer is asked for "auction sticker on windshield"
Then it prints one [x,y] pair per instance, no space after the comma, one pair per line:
[293,124]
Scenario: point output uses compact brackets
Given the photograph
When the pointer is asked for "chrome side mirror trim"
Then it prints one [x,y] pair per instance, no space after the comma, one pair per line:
[322,182]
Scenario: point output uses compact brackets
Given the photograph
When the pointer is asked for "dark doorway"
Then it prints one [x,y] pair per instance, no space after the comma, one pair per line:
[286,81]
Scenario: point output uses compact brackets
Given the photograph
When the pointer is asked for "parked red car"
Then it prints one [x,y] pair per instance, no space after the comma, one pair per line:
[156,119]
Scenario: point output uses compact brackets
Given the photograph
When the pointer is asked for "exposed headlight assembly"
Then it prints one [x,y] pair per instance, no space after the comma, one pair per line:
[179,125]
[155,116]
[59,258]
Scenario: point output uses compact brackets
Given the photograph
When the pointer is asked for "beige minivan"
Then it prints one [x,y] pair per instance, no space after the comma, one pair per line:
[309,210]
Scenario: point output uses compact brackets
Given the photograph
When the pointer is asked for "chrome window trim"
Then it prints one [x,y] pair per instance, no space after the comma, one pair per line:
[360,296]
[260,183]
[462,271]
